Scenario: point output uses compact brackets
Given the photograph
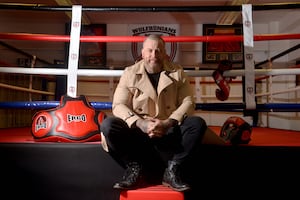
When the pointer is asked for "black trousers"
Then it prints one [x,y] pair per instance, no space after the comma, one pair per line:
[132,145]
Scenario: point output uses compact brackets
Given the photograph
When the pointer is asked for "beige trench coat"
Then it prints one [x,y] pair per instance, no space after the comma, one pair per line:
[136,98]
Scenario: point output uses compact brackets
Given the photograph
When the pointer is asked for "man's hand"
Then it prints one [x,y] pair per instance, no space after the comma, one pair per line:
[155,127]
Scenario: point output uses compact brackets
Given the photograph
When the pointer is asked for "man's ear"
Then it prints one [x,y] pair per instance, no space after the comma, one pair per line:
[142,51]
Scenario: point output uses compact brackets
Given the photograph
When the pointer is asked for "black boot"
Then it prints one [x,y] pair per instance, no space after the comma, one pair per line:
[132,177]
[172,178]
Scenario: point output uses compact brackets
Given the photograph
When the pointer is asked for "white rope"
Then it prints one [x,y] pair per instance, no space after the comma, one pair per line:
[117,73]
[3,85]
[241,72]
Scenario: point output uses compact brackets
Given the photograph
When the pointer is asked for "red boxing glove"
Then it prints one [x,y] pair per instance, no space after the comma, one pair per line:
[223,93]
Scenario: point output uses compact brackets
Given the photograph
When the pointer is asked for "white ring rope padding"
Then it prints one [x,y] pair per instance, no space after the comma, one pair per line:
[74,51]
[249,86]
[117,73]
[60,71]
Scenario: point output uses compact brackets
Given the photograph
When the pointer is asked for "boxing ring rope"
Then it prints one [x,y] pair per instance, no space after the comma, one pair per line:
[112,73]
[278,55]
[255,7]
[228,107]
[53,38]
[117,73]
[66,38]
[234,107]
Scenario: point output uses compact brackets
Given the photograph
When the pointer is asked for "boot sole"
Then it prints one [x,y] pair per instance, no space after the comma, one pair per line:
[176,189]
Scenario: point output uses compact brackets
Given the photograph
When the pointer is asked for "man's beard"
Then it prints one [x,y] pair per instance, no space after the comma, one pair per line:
[154,66]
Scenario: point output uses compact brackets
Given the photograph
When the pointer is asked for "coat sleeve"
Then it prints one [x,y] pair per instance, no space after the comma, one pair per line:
[122,106]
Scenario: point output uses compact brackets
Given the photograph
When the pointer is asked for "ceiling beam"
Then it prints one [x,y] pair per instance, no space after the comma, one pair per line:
[84,18]
[229,18]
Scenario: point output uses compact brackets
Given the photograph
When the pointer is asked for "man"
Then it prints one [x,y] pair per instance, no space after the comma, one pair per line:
[153,133]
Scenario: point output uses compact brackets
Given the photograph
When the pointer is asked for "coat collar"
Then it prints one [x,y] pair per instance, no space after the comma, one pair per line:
[144,83]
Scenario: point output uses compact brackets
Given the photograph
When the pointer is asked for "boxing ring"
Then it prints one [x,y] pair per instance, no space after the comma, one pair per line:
[83,171]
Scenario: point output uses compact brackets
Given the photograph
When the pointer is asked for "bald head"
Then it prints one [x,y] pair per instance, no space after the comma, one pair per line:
[155,38]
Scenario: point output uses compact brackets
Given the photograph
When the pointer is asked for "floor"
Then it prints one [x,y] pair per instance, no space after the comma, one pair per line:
[260,136]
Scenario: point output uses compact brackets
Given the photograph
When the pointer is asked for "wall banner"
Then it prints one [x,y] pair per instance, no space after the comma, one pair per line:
[144,30]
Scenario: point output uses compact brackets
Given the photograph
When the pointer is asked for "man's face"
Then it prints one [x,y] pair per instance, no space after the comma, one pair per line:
[153,53]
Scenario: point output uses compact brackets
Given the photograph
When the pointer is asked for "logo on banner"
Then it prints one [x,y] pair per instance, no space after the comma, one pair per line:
[171,47]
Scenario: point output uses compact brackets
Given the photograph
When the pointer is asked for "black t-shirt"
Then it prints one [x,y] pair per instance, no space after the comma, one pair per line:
[154,78]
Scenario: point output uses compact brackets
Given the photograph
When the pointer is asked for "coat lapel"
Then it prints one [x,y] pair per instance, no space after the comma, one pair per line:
[145,85]
[164,81]
[165,77]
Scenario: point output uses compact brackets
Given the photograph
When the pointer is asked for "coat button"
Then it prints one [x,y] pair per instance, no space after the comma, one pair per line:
[140,109]
[168,107]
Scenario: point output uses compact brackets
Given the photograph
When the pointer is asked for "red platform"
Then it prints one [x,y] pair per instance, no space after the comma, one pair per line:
[158,192]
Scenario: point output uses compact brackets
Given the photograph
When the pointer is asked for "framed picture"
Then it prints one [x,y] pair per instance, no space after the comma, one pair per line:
[91,54]
[213,52]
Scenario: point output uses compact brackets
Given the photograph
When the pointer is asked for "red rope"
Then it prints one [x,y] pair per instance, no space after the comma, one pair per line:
[66,38]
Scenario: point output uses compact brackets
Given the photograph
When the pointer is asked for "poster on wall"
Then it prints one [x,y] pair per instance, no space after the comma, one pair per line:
[214,52]
[159,29]
[91,54]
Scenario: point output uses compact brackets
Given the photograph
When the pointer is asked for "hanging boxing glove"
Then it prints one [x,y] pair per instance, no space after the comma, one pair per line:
[223,82]
[224,89]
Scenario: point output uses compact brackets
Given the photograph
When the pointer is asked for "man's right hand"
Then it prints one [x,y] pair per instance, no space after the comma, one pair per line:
[155,127]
